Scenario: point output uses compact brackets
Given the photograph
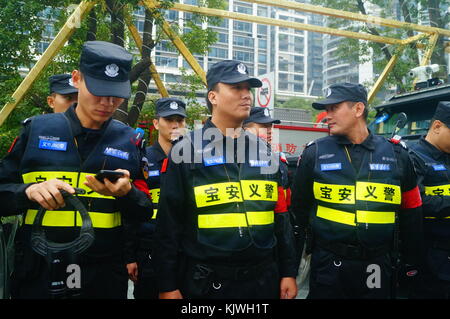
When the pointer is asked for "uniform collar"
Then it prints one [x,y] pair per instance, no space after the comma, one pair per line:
[369,142]
[158,151]
[432,150]
[77,128]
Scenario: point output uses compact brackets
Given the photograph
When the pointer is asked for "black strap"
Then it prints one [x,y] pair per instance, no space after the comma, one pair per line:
[230,272]
[42,246]
[355,252]
[441,245]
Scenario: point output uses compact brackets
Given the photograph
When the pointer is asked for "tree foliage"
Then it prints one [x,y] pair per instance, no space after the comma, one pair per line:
[413,11]
[25,24]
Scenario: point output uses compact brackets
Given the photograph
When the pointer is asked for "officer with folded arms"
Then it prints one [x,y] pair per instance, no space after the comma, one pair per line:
[170,122]
[351,191]
[62,92]
[431,157]
[61,151]
[222,228]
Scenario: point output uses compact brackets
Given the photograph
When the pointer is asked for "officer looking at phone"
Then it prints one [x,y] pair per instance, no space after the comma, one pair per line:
[63,151]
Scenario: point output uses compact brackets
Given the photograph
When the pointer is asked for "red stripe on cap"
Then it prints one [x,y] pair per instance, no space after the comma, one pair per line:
[164,165]
[411,199]
[281,206]
[12,145]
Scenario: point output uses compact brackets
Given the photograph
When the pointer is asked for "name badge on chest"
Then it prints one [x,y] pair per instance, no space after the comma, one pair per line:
[260,163]
[153,173]
[439,167]
[380,167]
[52,145]
[116,153]
[211,161]
[331,167]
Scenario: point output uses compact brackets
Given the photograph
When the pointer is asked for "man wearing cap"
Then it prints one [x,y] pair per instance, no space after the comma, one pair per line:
[62,92]
[222,228]
[63,151]
[431,157]
[261,123]
[170,122]
[351,191]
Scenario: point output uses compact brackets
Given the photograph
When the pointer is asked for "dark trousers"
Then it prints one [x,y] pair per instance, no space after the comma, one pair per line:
[146,285]
[334,277]
[204,281]
[100,279]
[433,282]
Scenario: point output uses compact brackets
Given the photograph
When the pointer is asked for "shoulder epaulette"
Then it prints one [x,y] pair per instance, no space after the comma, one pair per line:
[26,121]
[397,140]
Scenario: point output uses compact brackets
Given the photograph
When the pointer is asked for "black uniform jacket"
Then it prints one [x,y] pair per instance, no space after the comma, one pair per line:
[140,234]
[136,204]
[304,203]
[233,232]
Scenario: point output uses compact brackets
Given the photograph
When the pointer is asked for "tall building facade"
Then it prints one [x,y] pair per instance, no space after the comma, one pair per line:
[294,55]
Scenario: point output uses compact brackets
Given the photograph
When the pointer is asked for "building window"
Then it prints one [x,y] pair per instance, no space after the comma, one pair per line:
[243,56]
[262,58]
[242,26]
[222,38]
[167,61]
[242,9]
[171,15]
[262,29]
[243,41]
[299,66]
[262,44]
[218,53]
[139,25]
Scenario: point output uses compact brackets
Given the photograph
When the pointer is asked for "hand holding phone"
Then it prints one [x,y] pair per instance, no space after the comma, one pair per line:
[112,176]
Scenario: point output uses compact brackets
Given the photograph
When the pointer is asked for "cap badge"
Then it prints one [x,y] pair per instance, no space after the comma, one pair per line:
[70,82]
[241,68]
[328,92]
[174,105]
[112,70]
[266,112]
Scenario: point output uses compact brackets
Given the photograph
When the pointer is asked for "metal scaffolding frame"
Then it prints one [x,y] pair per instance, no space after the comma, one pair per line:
[426,32]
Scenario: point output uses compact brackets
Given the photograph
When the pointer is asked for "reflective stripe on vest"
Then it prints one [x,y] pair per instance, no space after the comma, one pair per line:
[60,218]
[443,190]
[68,177]
[228,192]
[235,219]
[342,217]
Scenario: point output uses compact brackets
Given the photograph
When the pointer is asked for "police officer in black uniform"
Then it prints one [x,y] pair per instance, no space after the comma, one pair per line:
[222,227]
[431,157]
[350,191]
[170,123]
[62,92]
[61,151]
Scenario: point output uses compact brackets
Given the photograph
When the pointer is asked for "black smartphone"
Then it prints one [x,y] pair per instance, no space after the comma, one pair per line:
[113,176]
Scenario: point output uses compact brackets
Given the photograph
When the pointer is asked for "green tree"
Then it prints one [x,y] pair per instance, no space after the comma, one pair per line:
[22,29]
[417,12]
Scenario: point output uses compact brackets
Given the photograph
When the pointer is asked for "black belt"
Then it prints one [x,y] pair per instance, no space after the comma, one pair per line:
[441,245]
[356,252]
[230,272]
